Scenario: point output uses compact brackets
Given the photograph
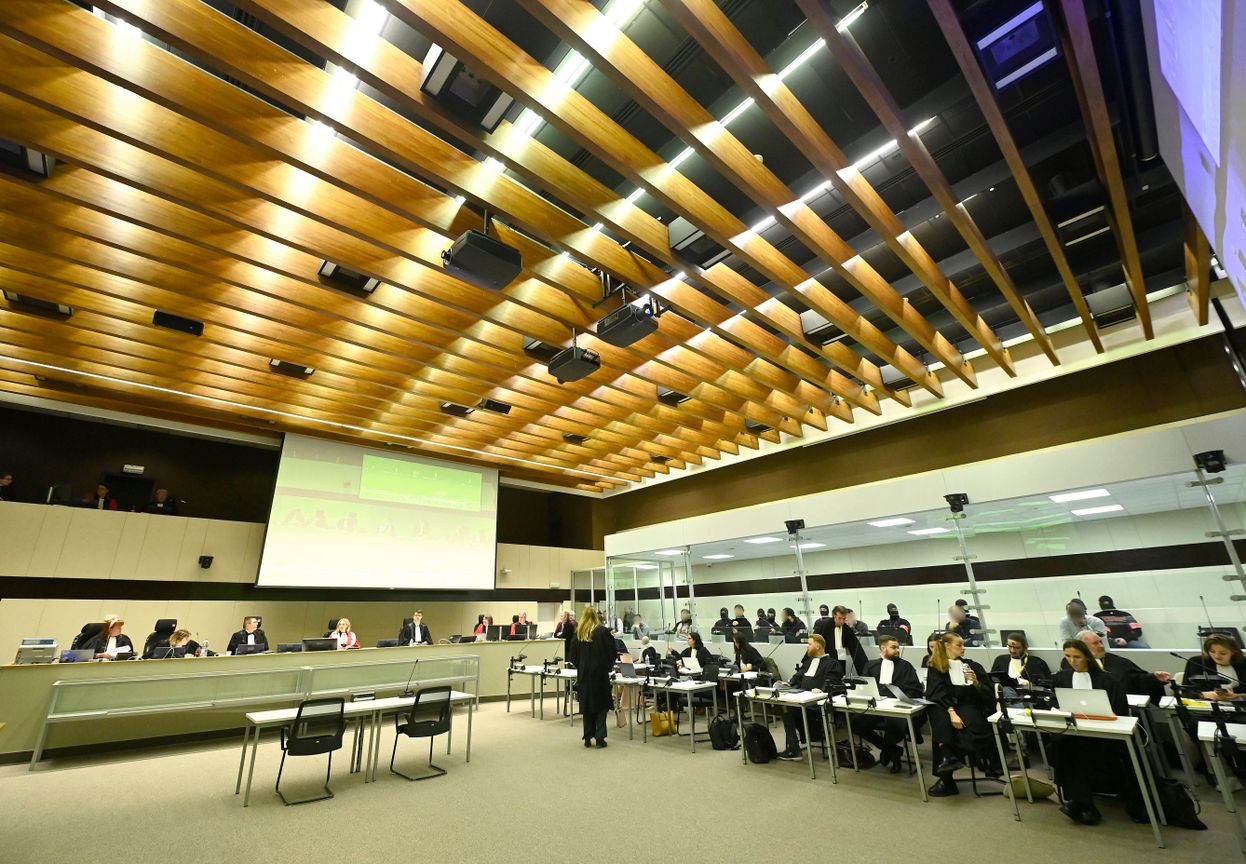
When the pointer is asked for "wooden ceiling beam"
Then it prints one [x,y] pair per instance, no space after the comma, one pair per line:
[1079,51]
[1197,254]
[870,85]
[612,53]
[984,94]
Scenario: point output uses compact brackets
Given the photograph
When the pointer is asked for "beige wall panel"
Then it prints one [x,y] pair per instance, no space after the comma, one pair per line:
[130,546]
[90,544]
[227,543]
[51,541]
[20,526]
[161,547]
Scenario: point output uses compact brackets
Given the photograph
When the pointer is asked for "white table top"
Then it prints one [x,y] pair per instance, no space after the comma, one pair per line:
[1054,720]
[798,697]
[690,686]
[351,709]
[1207,731]
[887,705]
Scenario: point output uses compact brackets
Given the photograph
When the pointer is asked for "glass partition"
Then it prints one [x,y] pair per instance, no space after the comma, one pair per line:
[1147,553]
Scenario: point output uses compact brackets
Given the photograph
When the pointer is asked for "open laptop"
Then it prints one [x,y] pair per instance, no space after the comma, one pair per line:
[626,669]
[164,652]
[77,655]
[864,690]
[691,663]
[1085,704]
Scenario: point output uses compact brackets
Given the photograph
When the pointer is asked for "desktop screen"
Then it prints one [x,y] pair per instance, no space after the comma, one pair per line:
[345,516]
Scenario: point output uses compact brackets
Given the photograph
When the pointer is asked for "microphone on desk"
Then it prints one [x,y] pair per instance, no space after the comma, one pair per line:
[407,692]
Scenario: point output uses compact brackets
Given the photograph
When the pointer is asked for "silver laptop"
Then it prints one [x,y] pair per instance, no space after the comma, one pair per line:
[627,670]
[1085,704]
[78,655]
[864,690]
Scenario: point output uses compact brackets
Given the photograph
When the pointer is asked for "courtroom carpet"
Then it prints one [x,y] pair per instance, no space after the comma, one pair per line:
[531,786]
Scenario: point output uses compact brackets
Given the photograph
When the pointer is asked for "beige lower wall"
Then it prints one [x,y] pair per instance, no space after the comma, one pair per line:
[26,690]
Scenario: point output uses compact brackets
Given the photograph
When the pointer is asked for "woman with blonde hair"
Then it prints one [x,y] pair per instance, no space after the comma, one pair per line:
[963,699]
[346,638]
[595,654]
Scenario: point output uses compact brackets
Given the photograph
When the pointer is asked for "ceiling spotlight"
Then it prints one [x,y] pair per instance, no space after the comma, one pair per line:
[956,501]
[794,525]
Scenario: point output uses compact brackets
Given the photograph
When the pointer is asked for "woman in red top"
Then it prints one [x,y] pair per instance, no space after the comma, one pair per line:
[480,625]
[345,637]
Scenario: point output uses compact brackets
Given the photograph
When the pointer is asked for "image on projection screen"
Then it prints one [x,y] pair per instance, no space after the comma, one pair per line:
[345,516]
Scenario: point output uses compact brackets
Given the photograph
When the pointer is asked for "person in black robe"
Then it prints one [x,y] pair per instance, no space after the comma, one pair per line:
[817,673]
[1083,765]
[595,656]
[839,636]
[1018,665]
[958,718]
[888,733]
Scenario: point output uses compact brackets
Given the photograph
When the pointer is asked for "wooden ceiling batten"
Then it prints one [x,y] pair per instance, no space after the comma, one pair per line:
[868,83]
[1197,254]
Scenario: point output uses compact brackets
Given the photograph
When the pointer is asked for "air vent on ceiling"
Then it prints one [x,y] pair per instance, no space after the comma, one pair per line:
[34,305]
[290,370]
[818,329]
[1110,306]
[572,438]
[495,406]
[1012,44]
[659,458]
[461,91]
[347,279]
[25,162]
[456,409]
[177,322]
[756,427]
[671,397]
[539,350]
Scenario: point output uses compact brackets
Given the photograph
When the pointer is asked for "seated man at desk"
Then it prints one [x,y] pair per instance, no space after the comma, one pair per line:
[1083,765]
[1076,619]
[739,620]
[111,643]
[415,632]
[888,669]
[519,627]
[250,634]
[1127,673]
[161,504]
[817,673]
[1019,665]
[1123,628]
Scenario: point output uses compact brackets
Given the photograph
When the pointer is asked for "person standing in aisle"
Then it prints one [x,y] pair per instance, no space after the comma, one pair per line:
[595,654]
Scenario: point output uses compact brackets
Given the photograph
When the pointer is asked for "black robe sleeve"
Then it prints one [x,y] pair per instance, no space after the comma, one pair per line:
[904,676]
[939,688]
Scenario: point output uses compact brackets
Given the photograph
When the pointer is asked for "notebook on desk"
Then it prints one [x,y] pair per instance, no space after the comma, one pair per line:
[1085,704]
[691,663]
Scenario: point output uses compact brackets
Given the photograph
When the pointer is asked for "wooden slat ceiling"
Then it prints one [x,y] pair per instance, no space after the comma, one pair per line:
[176,189]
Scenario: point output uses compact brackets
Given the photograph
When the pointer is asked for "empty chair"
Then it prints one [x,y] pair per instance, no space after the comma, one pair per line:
[428,718]
[160,633]
[317,728]
[332,627]
[88,632]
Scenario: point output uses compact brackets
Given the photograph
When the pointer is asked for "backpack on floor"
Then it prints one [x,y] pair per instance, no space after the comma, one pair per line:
[723,734]
[1180,806]
[865,758]
[759,744]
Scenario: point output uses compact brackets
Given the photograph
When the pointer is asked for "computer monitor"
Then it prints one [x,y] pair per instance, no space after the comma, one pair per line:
[29,655]
[257,648]
[164,652]
[320,644]
[494,633]
[387,643]
[289,647]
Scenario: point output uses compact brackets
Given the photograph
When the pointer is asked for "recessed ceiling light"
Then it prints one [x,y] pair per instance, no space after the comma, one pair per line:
[925,532]
[720,557]
[644,566]
[1083,495]
[812,545]
[760,540]
[890,523]
[1092,511]
[669,552]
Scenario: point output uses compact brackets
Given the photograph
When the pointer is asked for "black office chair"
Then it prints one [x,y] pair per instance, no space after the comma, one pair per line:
[317,728]
[86,634]
[428,718]
[332,627]
[160,633]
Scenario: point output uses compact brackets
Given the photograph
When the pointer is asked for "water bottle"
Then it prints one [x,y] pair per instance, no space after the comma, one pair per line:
[204,645]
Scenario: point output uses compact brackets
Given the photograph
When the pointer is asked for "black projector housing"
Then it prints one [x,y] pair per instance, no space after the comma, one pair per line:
[626,325]
[483,260]
[574,363]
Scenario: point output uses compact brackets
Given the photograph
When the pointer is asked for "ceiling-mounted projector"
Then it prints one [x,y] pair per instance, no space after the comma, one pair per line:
[627,324]
[574,363]
[481,259]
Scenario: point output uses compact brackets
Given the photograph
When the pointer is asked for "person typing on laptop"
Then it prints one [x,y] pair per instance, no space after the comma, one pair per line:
[817,673]
[887,733]
[1083,765]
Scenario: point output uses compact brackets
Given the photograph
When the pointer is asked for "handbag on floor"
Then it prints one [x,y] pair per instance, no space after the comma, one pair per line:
[662,723]
[723,734]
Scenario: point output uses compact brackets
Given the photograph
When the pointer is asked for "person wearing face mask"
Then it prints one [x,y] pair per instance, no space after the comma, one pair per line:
[963,699]
[817,673]
[793,628]
[889,670]
[762,620]
[1019,665]
[723,625]
[900,627]
[1083,764]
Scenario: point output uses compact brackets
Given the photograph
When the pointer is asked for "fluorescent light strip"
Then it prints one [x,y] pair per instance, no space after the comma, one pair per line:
[847,20]
[926,532]
[1077,240]
[1073,219]
[890,523]
[760,540]
[1033,64]
[331,423]
[720,557]
[1094,511]
[669,552]
[1083,495]
[1011,24]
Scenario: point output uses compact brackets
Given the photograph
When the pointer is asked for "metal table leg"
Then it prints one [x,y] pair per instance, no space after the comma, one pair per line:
[804,716]
[471,708]
[1003,760]
[917,759]
[635,697]
[1146,797]
[828,735]
[692,722]
[1150,780]
[242,760]
[740,723]
[532,695]
[510,673]
[1212,758]
[1179,738]
[543,694]
[852,741]
[255,742]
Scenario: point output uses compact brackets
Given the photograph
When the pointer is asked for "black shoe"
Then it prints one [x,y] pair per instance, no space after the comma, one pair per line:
[884,756]
[588,742]
[601,743]
[791,756]
[1082,814]
[949,765]
[943,789]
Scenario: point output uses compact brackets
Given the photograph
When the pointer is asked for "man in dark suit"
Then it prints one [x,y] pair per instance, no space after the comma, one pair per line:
[817,673]
[888,669]
[841,641]
[414,632]
[250,634]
